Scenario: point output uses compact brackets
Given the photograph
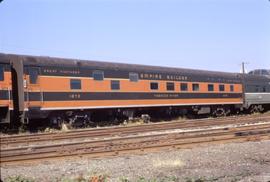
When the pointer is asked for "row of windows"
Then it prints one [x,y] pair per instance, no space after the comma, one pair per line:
[76,84]
[184,87]
[256,88]
[115,85]
[97,75]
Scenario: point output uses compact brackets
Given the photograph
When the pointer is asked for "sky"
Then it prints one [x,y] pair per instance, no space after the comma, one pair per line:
[199,34]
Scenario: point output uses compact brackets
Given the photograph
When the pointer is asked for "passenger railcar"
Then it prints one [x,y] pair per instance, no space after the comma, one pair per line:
[257,92]
[75,90]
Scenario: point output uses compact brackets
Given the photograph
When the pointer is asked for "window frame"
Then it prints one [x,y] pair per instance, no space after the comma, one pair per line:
[113,84]
[2,73]
[212,86]
[257,88]
[221,86]
[186,86]
[154,88]
[96,72]
[172,84]
[72,84]
[231,88]
[193,87]
[35,80]
[131,74]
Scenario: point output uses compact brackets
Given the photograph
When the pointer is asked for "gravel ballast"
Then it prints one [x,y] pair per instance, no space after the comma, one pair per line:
[248,161]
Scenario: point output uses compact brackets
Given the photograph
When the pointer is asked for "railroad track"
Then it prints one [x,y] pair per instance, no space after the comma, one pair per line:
[57,137]
[134,144]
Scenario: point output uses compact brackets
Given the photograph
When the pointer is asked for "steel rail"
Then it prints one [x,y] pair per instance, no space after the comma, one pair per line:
[133,143]
[9,141]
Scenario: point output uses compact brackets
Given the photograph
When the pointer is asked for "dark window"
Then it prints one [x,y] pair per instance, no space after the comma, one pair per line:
[154,86]
[33,74]
[115,85]
[98,75]
[75,84]
[264,89]
[133,77]
[170,86]
[195,87]
[265,72]
[257,88]
[210,87]
[231,88]
[1,73]
[183,86]
[221,88]
[257,72]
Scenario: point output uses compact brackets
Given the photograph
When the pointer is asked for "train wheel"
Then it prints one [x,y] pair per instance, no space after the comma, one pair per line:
[219,112]
[256,109]
[56,121]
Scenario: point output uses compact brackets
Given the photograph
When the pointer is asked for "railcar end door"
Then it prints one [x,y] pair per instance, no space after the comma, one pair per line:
[33,89]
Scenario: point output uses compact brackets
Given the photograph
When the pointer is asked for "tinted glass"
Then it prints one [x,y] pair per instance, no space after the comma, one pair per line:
[75,84]
[33,75]
[257,89]
[133,77]
[183,86]
[210,87]
[231,88]
[264,72]
[98,75]
[154,86]
[221,88]
[170,86]
[115,84]
[195,87]
[1,73]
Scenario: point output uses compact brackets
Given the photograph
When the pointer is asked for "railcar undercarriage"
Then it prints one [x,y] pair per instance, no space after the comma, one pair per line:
[107,117]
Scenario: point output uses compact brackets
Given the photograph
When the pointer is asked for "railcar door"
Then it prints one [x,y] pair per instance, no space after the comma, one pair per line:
[5,92]
[5,85]
[32,87]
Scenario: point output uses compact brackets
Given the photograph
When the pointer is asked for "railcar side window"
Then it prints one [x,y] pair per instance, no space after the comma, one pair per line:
[33,75]
[1,73]
[98,75]
[195,87]
[221,88]
[154,86]
[183,86]
[75,84]
[257,88]
[115,84]
[264,72]
[210,87]
[231,88]
[133,77]
[170,86]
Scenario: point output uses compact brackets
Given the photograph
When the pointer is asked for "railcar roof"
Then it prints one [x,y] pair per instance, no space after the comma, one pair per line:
[257,77]
[60,62]
[4,59]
